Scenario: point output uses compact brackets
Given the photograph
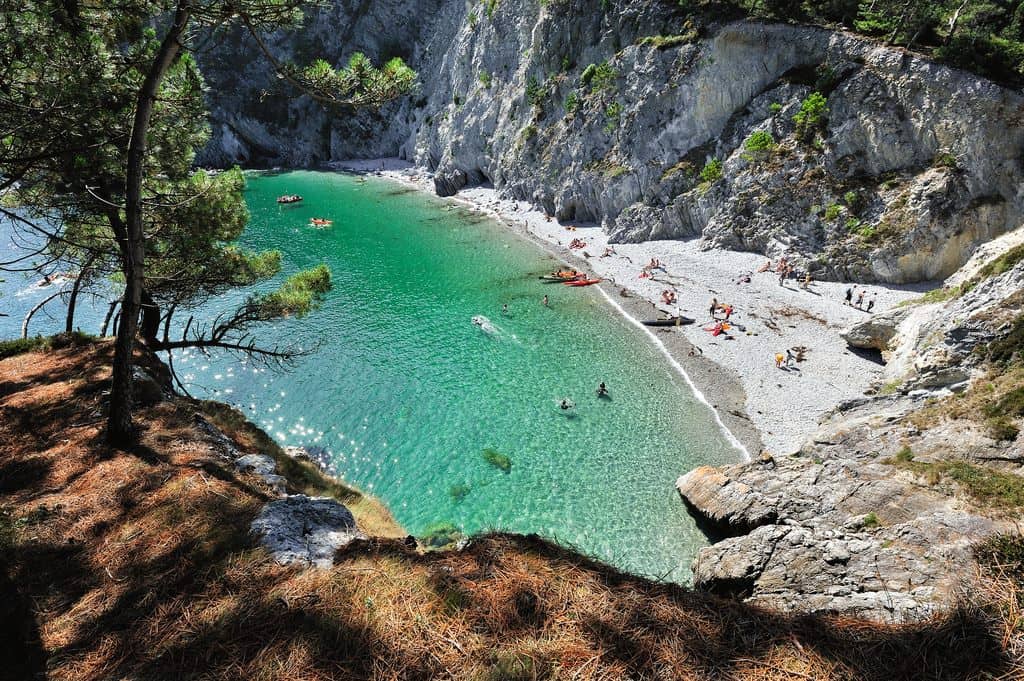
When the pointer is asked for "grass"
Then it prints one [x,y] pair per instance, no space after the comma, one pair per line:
[663,42]
[139,564]
[1001,587]
[995,267]
[1004,263]
[988,487]
[994,402]
[18,346]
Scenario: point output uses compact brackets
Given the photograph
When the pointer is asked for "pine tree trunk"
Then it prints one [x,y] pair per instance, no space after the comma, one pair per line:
[119,420]
[69,325]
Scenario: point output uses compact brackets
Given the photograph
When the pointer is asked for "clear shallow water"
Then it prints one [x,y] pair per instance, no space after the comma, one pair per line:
[406,392]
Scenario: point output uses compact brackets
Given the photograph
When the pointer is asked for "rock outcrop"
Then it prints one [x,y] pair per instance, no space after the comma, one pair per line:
[832,534]
[934,345]
[622,115]
[305,530]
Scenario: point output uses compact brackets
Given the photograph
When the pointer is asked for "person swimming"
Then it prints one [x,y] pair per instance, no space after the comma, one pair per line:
[602,390]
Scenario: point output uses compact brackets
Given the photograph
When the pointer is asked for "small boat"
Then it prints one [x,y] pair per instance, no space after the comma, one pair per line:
[289,198]
[320,222]
[581,282]
[554,280]
[671,321]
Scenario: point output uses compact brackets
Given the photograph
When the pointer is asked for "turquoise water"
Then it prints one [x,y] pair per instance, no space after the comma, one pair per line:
[405,392]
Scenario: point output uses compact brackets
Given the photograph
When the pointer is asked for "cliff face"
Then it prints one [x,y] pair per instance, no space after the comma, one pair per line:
[612,115]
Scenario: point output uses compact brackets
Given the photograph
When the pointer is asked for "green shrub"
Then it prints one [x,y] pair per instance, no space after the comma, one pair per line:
[944,159]
[572,103]
[599,77]
[832,211]
[485,79]
[497,459]
[759,144]
[1001,429]
[19,346]
[812,117]
[853,201]
[490,6]
[663,42]
[712,171]
[535,92]
[611,115]
[775,107]
[904,455]
[871,520]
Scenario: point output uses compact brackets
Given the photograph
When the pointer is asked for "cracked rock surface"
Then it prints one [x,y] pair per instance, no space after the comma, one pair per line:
[304,530]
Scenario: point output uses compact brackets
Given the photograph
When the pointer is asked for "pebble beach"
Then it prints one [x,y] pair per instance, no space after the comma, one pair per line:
[762,407]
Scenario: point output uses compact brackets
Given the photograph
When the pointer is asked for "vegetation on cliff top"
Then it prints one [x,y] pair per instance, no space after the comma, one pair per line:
[984,36]
[139,564]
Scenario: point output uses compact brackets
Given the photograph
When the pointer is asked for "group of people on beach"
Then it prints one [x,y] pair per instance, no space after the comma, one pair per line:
[848,300]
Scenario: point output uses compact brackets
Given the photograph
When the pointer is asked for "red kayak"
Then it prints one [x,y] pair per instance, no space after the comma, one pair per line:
[582,282]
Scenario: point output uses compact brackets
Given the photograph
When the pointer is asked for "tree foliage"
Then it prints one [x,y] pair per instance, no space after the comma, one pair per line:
[985,36]
[101,112]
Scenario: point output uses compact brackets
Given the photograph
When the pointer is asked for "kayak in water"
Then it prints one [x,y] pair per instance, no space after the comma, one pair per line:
[582,282]
[289,198]
[320,222]
[671,321]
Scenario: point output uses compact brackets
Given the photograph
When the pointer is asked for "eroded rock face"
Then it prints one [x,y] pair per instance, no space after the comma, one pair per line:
[305,530]
[915,164]
[936,345]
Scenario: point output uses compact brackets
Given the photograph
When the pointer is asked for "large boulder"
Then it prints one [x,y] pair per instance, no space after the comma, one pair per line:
[875,333]
[305,530]
[727,506]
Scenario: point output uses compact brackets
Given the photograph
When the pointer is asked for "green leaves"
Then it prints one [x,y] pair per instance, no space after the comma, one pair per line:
[812,117]
[297,296]
[359,83]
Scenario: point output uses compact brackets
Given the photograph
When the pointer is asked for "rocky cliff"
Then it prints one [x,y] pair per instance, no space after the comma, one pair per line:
[660,125]
[640,117]
[880,511]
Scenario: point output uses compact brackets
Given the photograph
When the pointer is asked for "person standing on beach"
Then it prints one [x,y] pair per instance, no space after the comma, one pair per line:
[871,303]
[778,360]
[849,296]
[860,299]
[714,308]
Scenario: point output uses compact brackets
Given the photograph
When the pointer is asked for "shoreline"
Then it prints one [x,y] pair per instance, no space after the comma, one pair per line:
[758,406]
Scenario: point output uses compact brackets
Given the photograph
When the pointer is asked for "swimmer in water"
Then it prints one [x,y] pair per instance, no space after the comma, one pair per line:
[602,390]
